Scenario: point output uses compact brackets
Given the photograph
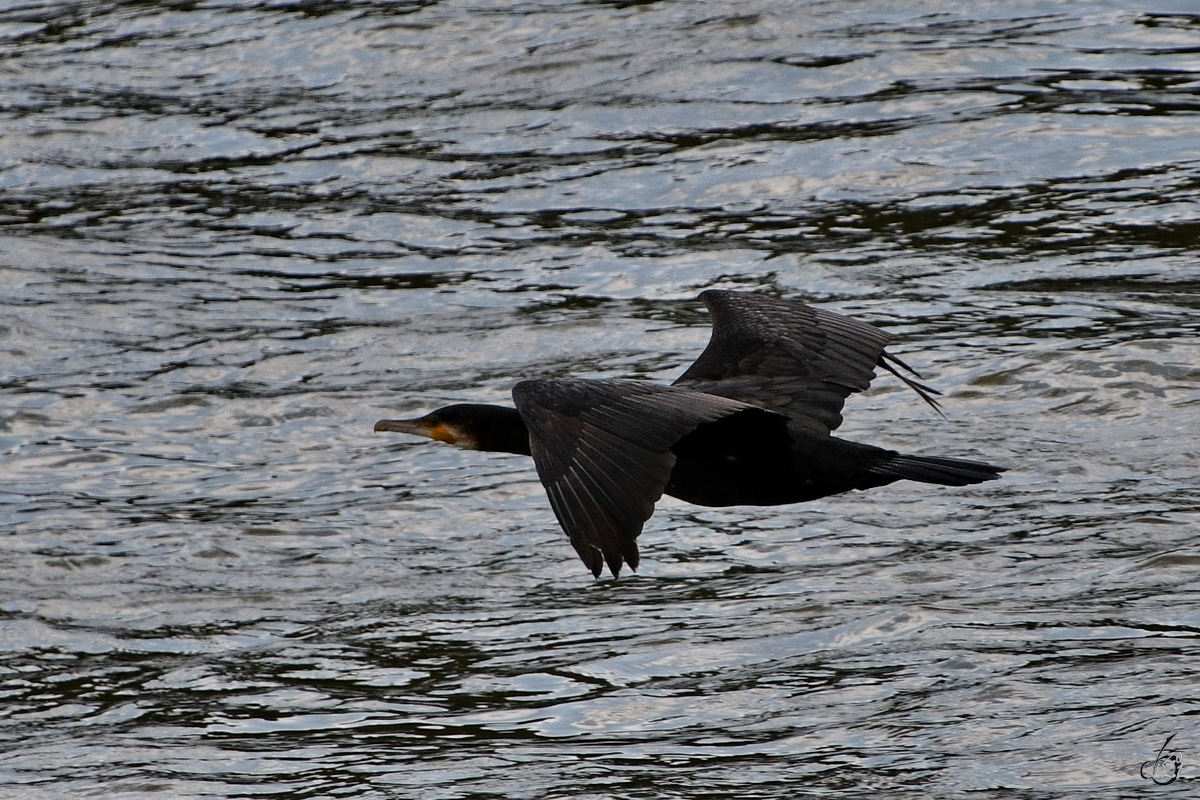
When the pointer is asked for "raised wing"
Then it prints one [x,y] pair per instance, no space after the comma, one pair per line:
[603,451]
[787,357]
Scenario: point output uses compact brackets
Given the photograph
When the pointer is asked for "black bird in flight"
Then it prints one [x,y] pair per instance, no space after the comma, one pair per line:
[748,423]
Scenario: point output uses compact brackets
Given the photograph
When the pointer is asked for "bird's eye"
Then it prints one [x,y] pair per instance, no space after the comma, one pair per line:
[432,420]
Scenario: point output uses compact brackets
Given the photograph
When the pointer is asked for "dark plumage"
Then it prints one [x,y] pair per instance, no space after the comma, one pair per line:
[748,423]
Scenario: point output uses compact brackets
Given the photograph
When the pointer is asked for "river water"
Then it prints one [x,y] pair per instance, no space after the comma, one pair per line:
[233,234]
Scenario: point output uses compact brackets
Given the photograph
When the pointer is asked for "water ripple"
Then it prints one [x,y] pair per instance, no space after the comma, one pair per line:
[233,235]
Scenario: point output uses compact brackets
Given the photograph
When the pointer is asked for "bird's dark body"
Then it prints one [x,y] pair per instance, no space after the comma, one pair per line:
[724,464]
[752,459]
[748,423]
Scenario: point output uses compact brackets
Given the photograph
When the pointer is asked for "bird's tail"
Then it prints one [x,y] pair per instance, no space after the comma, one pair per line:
[942,471]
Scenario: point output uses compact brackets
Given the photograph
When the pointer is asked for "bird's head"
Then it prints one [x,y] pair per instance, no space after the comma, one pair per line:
[470,426]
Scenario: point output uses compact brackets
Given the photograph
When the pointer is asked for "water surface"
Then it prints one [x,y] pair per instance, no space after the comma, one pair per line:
[235,234]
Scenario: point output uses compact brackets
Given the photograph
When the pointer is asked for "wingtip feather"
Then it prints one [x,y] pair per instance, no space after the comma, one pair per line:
[925,392]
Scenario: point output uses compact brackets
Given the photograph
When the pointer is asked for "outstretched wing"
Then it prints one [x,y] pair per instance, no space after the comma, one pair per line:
[785,356]
[603,451]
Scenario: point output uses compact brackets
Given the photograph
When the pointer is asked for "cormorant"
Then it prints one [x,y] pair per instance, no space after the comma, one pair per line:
[748,423]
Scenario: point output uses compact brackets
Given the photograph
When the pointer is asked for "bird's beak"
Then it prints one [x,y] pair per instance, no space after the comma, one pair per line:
[413,426]
[421,427]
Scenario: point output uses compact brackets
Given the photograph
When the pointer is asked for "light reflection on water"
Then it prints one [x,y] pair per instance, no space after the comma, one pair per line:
[231,237]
